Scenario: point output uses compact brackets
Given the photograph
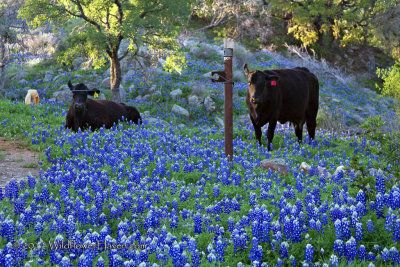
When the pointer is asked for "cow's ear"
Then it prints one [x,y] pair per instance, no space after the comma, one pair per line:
[93,92]
[272,78]
[71,87]
[246,69]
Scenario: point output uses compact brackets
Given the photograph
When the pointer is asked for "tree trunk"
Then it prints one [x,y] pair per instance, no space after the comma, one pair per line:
[2,64]
[115,76]
[2,80]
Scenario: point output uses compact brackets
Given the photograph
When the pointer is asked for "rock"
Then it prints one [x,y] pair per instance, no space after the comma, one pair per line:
[305,167]
[152,94]
[322,171]
[145,97]
[87,65]
[219,121]
[200,90]
[180,111]
[23,82]
[106,82]
[19,75]
[339,169]
[64,96]
[57,77]
[106,73]
[161,62]
[277,164]
[175,93]
[208,75]
[151,90]
[123,47]
[194,101]
[77,62]
[209,104]
[122,93]
[189,42]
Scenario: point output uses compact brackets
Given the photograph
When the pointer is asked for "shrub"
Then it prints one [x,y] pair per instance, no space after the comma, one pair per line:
[391,80]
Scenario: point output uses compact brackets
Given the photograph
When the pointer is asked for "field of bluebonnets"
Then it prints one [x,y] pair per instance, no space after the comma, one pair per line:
[163,193]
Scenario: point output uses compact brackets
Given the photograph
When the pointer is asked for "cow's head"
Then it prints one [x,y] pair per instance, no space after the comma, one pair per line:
[79,95]
[261,84]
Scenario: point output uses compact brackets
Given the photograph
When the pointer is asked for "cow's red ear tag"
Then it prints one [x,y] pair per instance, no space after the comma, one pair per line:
[273,83]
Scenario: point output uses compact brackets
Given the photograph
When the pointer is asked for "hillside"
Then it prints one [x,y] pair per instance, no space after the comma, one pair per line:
[166,191]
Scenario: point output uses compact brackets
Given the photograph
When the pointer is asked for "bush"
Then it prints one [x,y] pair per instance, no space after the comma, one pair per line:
[373,126]
[391,80]
[390,141]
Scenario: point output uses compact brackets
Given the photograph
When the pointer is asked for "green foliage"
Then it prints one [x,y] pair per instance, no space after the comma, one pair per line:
[175,63]
[373,125]
[391,80]
[390,142]
[96,28]
[325,20]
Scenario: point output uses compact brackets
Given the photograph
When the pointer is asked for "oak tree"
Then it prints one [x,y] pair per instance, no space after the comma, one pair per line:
[106,23]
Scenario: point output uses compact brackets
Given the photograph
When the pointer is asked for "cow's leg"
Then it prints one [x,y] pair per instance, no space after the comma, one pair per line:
[257,130]
[270,133]
[311,125]
[298,128]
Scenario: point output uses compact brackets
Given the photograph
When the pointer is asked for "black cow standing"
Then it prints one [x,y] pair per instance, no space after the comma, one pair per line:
[284,95]
[84,112]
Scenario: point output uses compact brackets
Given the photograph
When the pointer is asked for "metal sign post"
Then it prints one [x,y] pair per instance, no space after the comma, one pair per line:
[225,76]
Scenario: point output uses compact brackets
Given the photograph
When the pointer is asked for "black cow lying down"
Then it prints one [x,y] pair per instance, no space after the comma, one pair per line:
[284,95]
[84,112]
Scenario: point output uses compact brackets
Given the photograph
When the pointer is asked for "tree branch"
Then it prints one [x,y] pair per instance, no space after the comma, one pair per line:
[120,11]
[124,55]
[108,18]
[150,10]
[83,15]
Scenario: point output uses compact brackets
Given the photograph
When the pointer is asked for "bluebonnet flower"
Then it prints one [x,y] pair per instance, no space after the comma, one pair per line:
[370,226]
[296,233]
[293,260]
[211,257]
[385,255]
[359,232]
[196,258]
[394,255]
[9,261]
[345,228]
[197,223]
[284,252]
[309,254]
[220,249]
[65,262]
[338,247]
[351,249]
[396,231]
[256,251]
[362,252]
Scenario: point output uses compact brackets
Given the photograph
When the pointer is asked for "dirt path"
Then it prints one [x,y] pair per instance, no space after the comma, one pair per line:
[16,161]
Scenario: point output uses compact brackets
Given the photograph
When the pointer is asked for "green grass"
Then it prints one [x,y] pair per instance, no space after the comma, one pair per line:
[31,165]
